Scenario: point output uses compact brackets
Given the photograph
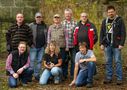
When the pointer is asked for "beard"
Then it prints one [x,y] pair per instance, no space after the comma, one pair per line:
[112,16]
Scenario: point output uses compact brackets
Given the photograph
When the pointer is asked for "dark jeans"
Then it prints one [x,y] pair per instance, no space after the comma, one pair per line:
[64,62]
[71,54]
[24,77]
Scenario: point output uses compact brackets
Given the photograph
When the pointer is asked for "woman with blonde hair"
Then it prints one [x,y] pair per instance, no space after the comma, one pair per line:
[52,62]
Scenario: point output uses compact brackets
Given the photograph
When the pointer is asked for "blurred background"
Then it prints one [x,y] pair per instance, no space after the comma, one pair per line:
[96,10]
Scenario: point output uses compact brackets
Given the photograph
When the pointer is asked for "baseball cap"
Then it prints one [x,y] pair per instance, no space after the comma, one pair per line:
[56,16]
[38,14]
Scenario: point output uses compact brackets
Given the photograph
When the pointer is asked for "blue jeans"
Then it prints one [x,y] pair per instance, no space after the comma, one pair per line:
[86,76]
[24,77]
[56,72]
[36,60]
[115,53]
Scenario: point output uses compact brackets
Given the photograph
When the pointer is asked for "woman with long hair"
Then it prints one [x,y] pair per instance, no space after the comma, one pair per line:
[52,62]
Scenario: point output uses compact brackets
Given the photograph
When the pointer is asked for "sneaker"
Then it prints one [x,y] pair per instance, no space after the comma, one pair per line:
[119,82]
[89,85]
[56,81]
[24,84]
[107,81]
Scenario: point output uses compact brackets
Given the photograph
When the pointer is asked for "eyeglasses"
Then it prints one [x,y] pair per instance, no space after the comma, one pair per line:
[84,16]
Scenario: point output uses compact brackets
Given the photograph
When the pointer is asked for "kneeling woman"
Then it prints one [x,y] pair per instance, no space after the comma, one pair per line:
[52,62]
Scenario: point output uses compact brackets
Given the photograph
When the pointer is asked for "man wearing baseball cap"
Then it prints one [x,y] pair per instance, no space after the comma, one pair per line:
[56,16]
[56,32]
[39,29]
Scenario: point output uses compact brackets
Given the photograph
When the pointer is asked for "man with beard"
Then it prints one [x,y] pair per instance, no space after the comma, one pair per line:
[112,39]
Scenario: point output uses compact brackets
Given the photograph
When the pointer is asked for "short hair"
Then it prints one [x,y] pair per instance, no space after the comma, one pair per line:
[83,44]
[68,10]
[19,13]
[22,42]
[84,13]
[111,7]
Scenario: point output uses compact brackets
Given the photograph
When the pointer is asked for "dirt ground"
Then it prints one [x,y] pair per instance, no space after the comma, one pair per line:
[98,81]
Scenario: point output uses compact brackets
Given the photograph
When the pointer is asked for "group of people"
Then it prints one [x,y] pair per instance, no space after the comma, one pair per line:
[61,42]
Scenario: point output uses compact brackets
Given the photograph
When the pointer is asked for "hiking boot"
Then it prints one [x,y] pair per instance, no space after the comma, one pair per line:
[119,82]
[29,80]
[89,85]
[107,81]
[24,85]
[37,78]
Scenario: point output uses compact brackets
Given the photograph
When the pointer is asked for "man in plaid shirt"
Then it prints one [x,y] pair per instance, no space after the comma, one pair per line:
[69,25]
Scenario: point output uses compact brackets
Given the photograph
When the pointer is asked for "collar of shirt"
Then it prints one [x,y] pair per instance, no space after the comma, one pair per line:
[57,26]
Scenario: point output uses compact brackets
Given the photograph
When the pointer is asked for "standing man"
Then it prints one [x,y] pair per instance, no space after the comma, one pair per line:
[69,25]
[85,31]
[56,32]
[112,39]
[18,32]
[39,30]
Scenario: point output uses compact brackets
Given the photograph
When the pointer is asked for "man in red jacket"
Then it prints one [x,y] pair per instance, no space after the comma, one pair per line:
[85,31]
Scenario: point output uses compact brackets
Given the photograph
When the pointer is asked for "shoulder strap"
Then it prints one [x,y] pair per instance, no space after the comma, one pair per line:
[116,18]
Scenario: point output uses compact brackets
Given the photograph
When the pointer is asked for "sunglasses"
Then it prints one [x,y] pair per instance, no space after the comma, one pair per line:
[56,17]
[38,17]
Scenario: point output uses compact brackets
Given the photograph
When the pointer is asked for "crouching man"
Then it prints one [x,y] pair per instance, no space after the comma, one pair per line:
[17,66]
[85,67]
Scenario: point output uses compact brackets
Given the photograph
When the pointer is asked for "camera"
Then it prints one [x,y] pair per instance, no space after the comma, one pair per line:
[48,63]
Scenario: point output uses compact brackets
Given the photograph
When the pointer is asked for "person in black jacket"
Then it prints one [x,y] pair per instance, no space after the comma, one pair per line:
[39,30]
[112,39]
[19,31]
[17,66]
